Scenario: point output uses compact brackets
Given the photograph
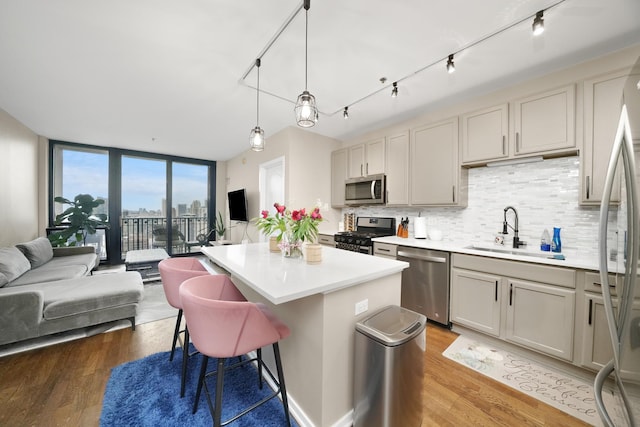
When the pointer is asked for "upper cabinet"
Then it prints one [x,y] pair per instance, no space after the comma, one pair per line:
[367,158]
[339,165]
[545,122]
[484,134]
[602,106]
[436,176]
[397,168]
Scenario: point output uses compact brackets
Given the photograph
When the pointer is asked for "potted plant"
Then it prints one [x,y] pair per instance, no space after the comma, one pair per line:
[78,220]
[218,228]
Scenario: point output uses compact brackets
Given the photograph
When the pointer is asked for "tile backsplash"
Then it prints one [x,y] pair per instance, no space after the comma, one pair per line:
[545,194]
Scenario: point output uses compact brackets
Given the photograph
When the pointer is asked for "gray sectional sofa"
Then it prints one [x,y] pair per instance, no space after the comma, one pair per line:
[45,290]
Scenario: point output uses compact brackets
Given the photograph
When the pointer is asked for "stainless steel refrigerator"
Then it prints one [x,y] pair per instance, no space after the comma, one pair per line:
[619,241]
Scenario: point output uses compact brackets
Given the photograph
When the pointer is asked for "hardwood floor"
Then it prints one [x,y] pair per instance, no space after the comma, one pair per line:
[63,385]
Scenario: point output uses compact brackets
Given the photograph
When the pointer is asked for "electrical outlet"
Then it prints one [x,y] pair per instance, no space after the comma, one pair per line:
[362,306]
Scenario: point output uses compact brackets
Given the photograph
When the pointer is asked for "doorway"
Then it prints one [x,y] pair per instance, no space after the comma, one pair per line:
[271,185]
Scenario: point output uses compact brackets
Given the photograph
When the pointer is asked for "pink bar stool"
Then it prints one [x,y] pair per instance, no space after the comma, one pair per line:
[223,329]
[173,272]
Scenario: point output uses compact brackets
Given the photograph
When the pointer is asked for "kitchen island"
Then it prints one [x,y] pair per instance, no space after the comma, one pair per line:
[318,303]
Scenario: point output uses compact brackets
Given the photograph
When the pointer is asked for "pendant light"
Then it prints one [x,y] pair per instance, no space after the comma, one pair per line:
[451,67]
[394,90]
[256,137]
[306,110]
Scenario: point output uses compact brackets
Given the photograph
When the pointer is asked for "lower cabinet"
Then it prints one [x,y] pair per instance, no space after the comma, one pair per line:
[475,300]
[541,317]
[596,343]
[488,296]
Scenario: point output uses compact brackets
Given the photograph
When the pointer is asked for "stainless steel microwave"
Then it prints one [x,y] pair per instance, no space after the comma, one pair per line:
[366,190]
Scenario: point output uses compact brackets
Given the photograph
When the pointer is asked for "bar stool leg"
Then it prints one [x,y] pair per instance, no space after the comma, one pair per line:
[219,386]
[203,372]
[185,357]
[259,354]
[175,334]
[283,388]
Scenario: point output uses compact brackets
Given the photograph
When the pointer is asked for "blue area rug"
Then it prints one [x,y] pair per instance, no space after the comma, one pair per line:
[146,392]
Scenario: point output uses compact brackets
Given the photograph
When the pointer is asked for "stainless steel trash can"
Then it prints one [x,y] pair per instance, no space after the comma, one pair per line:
[389,368]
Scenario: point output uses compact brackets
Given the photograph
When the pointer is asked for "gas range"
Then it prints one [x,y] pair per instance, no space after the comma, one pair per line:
[367,228]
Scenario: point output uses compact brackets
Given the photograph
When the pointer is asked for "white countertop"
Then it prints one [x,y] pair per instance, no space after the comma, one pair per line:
[281,280]
[573,259]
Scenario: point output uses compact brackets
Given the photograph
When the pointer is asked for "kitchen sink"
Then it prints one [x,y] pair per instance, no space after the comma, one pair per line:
[512,251]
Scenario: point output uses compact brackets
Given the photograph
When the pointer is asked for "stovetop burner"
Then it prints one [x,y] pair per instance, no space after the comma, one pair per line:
[368,228]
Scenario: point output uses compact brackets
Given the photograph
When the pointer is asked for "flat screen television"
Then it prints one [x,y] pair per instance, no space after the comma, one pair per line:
[238,205]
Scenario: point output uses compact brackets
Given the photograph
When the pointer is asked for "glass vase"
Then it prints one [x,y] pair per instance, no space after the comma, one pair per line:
[290,246]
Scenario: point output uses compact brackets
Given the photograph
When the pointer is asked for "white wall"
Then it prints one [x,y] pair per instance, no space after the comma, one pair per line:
[307,176]
[19,177]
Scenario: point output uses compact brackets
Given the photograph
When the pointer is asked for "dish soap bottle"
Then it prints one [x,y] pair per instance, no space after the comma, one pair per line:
[556,243]
[545,241]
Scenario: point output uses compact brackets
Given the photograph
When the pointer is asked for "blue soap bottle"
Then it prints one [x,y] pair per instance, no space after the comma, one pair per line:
[556,243]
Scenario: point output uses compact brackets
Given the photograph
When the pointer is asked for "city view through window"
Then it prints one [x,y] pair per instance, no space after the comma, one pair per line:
[145,215]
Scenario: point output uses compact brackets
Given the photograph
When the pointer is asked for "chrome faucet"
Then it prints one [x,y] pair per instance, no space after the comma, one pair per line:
[516,240]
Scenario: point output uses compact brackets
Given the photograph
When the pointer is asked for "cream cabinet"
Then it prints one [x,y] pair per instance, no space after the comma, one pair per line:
[397,169]
[476,300]
[367,158]
[530,305]
[385,250]
[339,165]
[602,106]
[596,343]
[545,122]
[541,317]
[326,239]
[436,176]
[485,135]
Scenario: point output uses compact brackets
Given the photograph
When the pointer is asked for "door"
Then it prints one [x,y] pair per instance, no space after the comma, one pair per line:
[145,213]
[271,184]
[541,317]
[475,300]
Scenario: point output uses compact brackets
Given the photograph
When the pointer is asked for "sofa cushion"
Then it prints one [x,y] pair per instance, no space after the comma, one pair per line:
[37,251]
[70,297]
[3,280]
[58,268]
[13,263]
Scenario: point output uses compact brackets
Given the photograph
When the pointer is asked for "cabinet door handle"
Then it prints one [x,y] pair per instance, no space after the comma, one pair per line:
[383,250]
[590,310]
[588,180]
[361,174]
[496,296]
[366,170]
[511,294]
[453,193]
[600,284]
[517,142]
[504,145]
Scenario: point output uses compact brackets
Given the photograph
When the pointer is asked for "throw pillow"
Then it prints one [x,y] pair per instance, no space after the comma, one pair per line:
[37,251]
[13,263]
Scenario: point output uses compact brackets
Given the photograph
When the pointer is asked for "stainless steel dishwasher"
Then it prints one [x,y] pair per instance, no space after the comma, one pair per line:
[425,284]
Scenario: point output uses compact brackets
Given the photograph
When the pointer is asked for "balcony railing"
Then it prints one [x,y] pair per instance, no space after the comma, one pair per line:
[150,232]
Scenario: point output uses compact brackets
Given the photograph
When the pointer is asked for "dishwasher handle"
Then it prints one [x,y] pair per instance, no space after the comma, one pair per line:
[422,257]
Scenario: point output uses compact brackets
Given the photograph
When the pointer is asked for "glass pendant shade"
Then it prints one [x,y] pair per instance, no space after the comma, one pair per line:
[256,139]
[306,110]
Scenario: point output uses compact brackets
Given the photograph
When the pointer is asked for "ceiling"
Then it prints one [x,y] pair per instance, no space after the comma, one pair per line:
[166,76]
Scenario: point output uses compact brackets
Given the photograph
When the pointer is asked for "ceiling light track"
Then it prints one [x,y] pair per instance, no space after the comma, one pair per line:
[450,56]
[432,64]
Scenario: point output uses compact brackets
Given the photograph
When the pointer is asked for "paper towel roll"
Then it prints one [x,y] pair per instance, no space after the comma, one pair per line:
[420,227]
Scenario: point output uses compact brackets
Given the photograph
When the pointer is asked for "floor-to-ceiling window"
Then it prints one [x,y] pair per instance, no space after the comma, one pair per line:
[152,200]
[81,171]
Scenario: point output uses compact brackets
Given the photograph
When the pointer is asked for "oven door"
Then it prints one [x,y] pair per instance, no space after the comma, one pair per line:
[367,190]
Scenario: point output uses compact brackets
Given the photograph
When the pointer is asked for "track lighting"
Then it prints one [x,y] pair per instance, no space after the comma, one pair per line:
[306,110]
[345,113]
[538,24]
[394,91]
[451,68]
[256,137]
